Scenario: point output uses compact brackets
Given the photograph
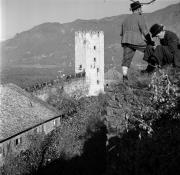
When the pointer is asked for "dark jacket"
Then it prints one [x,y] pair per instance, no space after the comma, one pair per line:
[172,42]
[132,30]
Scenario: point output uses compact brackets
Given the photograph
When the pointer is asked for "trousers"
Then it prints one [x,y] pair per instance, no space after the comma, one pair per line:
[161,53]
[129,51]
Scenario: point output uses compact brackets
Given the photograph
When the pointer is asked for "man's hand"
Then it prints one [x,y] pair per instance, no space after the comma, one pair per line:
[149,40]
[152,43]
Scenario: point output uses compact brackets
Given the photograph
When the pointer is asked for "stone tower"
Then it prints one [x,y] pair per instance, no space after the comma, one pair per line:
[89,56]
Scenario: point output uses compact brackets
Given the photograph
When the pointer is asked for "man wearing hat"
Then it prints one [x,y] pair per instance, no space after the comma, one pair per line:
[134,36]
[168,52]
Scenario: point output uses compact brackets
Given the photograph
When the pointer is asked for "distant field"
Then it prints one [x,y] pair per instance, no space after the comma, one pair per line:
[25,76]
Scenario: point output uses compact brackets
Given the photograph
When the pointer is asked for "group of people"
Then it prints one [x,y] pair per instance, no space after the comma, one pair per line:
[136,36]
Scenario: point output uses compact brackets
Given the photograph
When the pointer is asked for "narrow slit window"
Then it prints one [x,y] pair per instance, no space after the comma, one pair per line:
[18,141]
[94,47]
[94,59]
[80,67]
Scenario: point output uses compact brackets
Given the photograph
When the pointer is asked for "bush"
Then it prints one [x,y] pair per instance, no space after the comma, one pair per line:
[151,144]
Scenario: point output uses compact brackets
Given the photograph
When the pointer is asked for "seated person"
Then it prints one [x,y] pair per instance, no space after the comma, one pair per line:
[168,52]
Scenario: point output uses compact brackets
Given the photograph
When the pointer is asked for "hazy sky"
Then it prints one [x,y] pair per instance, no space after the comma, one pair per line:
[19,15]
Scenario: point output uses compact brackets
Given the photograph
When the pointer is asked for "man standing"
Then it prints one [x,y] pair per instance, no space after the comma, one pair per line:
[168,52]
[132,31]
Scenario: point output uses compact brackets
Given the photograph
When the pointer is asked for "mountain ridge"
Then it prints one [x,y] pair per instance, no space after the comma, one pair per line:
[52,43]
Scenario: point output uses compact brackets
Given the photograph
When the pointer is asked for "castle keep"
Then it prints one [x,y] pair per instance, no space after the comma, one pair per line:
[89,58]
[89,67]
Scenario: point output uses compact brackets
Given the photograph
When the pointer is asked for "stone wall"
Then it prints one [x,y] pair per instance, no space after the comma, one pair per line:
[77,88]
[44,93]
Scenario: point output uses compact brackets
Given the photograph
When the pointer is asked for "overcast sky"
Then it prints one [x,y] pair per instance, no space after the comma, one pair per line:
[20,15]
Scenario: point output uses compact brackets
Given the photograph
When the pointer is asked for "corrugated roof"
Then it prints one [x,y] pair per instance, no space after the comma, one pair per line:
[19,111]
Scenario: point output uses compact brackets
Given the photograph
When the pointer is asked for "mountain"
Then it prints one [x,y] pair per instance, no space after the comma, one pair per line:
[52,44]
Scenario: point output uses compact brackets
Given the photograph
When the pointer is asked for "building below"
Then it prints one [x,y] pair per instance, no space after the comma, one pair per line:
[21,115]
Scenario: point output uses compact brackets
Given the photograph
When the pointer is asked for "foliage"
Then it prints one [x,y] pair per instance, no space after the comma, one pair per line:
[142,105]
[27,161]
[143,129]
[165,97]
[151,143]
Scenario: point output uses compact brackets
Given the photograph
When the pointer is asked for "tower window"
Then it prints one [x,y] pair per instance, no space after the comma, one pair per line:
[97,81]
[94,47]
[80,67]
[97,70]
[94,59]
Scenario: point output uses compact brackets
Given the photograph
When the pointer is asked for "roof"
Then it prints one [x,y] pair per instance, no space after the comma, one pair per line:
[20,110]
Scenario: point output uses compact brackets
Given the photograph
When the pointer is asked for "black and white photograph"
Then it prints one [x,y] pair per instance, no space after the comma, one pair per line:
[89,87]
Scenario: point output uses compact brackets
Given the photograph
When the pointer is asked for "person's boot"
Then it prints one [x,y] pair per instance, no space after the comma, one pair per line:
[125,78]
[149,69]
[152,62]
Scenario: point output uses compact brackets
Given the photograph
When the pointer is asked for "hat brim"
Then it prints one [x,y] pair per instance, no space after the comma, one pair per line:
[157,31]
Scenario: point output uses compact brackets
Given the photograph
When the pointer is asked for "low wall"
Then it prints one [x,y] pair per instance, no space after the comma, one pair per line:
[77,88]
